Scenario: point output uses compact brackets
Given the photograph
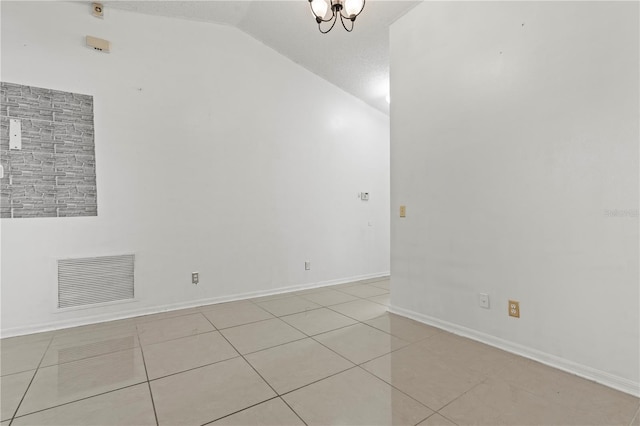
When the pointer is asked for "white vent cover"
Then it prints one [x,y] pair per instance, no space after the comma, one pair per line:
[92,280]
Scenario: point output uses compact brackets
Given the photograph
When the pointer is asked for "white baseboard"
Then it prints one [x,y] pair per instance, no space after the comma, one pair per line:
[147,310]
[602,377]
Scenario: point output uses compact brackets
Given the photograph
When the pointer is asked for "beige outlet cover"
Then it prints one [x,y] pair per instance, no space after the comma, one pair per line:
[98,44]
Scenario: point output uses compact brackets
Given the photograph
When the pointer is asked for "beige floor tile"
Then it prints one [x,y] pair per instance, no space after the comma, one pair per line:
[129,406]
[208,393]
[636,419]
[359,343]
[430,378]
[318,321]
[354,397]
[73,347]
[235,313]
[311,290]
[271,413]
[384,284]
[603,405]
[361,310]
[185,353]
[28,338]
[93,328]
[17,355]
[261,335]
[166,314]
[437,420]
[205,308]
[288,367]
[495,402]
[404,328]
[383,299]
[12,388]
[471,354]
[272,297]
[172,328]
[329,297]
[59,384]
[364,290]
[288,306]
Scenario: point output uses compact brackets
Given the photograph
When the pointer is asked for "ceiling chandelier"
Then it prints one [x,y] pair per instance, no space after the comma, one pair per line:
[331,10]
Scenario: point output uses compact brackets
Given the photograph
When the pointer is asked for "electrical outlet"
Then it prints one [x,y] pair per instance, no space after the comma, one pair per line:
[403,211]
[483,300]
[195,278]
[514,308]
[307,265]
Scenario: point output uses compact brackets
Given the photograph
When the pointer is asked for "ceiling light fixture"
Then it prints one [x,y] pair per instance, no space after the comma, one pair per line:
[331,10]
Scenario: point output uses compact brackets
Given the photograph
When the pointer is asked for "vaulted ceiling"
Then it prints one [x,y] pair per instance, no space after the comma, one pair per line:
[357,62]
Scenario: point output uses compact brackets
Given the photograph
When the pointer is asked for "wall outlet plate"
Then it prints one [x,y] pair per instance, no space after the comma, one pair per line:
[195,278]
[514,308]
[98,44]
[483,300]
[403,211]
[307,265]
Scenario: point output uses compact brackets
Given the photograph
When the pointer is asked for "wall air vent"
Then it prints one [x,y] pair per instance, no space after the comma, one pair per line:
[93,280]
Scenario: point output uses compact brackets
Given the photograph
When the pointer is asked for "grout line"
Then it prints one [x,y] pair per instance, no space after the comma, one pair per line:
[88,357]
[397,389]
[177,338]
[291,408]
[263,379]
[78,400]
[238,411]
[178,315]
[193,368]
[322,332]
[317,381]
[153,404]
[635,417]
[30,382]
[245,360]
[462,394]
[240,325]
[360,364]
[435,413]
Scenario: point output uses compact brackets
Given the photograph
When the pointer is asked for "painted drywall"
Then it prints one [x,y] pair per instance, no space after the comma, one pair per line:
[214,154]
[514,146]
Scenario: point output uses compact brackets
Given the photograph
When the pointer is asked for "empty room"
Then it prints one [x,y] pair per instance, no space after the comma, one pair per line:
[325,212]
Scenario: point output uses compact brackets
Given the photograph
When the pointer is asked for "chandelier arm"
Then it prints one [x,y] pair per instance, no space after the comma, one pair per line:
[344,26]
[335,18]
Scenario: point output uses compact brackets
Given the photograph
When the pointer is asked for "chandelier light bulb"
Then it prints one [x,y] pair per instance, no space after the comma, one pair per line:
[353,8]
[321,9]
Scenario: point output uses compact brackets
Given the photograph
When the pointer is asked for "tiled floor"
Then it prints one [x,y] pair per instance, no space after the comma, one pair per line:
[319,357]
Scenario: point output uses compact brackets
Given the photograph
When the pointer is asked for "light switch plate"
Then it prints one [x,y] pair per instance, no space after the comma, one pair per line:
[483,300]
[15,134]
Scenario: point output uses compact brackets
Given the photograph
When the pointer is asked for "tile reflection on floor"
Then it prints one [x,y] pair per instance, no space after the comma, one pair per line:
[322,356]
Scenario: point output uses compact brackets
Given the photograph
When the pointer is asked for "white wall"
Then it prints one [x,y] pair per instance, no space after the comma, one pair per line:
[214,154]
[514,128]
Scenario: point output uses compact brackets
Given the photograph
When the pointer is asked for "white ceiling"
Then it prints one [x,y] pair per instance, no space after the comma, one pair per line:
[357,62]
